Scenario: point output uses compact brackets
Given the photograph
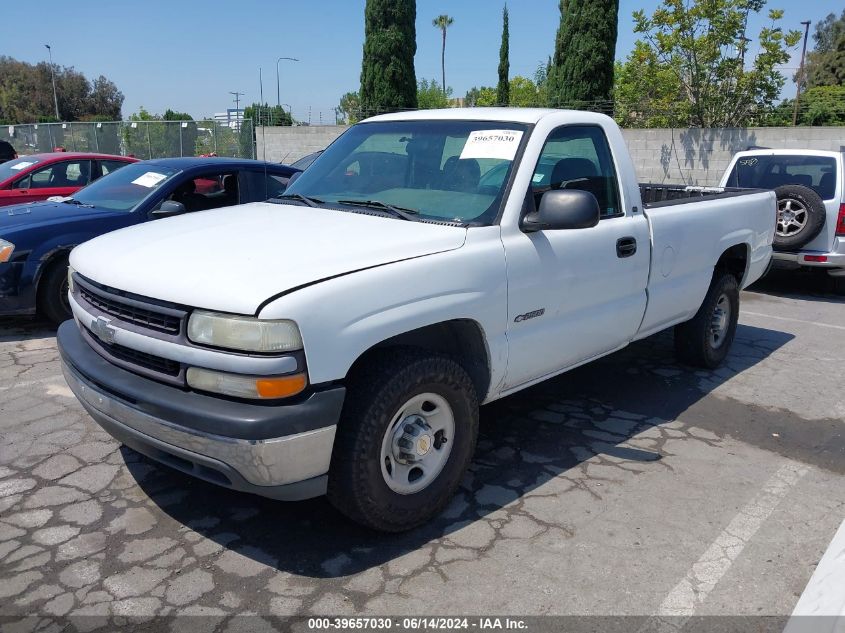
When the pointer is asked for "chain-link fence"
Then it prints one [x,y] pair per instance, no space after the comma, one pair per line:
[142,139]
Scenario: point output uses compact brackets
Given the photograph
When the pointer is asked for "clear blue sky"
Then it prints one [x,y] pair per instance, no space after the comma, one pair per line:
[187,55]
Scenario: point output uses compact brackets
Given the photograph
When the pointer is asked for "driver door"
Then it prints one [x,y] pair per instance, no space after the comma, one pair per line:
[574,294]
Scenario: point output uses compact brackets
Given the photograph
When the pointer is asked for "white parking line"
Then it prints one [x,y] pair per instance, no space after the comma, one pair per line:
[780,318]
[703,576]
[824,595]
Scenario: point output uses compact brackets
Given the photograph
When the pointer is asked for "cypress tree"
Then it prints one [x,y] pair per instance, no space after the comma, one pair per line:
[388,81]
[503,90]
[582,69]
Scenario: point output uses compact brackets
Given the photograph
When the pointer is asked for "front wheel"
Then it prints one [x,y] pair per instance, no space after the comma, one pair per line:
[53,302]
[406,437]
[706,339]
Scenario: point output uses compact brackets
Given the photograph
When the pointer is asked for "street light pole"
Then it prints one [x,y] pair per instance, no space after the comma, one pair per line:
[800,75]
[53,78]
[278,93]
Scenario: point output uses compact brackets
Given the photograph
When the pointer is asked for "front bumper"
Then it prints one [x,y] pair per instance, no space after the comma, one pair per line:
[12,301]
[281,452]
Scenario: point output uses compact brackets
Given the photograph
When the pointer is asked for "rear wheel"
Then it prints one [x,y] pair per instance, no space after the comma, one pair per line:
[706,339]
[406,437]
[53,302]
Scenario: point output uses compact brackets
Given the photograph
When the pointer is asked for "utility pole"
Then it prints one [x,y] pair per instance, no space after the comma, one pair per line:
[278,91]
[237,107]
[53,77]
[800,75]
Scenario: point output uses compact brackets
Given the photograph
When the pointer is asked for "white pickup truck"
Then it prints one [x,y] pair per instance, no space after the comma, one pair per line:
[339,339]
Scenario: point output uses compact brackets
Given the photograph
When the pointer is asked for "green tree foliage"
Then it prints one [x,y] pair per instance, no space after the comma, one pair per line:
[431,95]
[349,108]
[503,88]
[267,114]
[821,105]
[582,67]
[523,93]
[825,65]
[26,94]
[443,22]
[388,81]
[647,92]
[481,97]
[688,69]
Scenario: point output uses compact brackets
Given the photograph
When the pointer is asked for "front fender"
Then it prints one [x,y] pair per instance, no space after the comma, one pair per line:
[342,318]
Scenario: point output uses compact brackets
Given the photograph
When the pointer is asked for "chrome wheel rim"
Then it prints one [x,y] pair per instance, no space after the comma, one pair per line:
[417,443]
[792,217]
[720,321]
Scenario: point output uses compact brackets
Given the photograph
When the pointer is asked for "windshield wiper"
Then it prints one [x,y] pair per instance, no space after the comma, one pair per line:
[78,203]
[404,213]
[311,202]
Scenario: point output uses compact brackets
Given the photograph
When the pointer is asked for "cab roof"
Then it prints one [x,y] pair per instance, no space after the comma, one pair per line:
[515,115]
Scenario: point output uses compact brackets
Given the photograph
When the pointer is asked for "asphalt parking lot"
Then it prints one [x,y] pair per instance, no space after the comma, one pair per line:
[631,486]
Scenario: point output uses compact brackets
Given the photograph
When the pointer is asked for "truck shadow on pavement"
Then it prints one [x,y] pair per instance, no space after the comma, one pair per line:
[579,434]
[807,285]
[24,328]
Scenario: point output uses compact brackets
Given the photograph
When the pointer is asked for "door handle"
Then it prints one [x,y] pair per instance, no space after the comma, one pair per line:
[626,246]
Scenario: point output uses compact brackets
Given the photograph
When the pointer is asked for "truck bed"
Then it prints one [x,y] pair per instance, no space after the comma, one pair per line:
[660,195]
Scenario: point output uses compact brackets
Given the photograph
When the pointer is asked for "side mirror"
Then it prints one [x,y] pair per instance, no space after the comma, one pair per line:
[562,209]
[167,209]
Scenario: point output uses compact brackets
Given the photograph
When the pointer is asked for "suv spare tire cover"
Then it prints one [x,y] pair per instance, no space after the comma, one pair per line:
[800,218]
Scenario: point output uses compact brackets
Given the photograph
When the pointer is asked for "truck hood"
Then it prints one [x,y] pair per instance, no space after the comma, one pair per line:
[233,259]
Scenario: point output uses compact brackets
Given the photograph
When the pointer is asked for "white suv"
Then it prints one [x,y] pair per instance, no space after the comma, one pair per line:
[811,203]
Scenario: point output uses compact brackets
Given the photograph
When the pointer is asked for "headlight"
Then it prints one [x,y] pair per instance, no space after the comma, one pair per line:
[70,285]
[258,387]
[243,333]
[6,250]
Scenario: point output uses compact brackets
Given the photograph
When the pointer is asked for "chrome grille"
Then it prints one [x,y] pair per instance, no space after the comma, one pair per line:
[142,362]
[131,311]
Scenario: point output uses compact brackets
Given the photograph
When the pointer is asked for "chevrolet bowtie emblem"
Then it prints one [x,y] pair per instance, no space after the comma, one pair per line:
[102,330]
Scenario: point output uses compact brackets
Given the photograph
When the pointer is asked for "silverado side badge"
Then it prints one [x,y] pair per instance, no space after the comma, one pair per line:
[529,315]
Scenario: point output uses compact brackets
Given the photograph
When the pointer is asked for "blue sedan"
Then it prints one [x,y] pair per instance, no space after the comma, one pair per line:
[35,239]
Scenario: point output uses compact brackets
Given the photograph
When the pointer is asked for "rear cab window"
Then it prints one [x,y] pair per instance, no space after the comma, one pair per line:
[771,171]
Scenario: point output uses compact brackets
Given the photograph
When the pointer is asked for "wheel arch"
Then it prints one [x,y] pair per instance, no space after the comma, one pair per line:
[462,339]
[735,260]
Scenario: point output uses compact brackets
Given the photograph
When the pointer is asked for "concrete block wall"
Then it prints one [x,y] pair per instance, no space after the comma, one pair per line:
[700,156]
[680,156]
[287,144]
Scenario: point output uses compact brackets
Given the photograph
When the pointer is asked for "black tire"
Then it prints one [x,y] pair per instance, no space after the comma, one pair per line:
[53,303]
[801,217]
[375,394]
[695,341]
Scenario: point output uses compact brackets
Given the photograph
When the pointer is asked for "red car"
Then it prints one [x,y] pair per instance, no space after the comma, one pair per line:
[40,176]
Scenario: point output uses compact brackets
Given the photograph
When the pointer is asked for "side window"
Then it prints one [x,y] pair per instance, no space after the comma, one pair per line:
[73,173]
[578,157]
[263,186]
[209,191]
[108,166]
[23,183]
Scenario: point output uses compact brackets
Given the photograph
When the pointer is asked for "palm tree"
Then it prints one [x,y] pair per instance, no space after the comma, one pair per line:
[443,22]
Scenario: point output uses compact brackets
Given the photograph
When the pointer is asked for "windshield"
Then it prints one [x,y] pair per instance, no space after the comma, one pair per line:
[441,170]
[769,172]
[16,166]
[124,189]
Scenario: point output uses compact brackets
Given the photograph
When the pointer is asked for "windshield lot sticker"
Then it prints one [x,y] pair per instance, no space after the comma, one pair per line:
[22,165]
[149,179]
[748,162]
[500,144]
